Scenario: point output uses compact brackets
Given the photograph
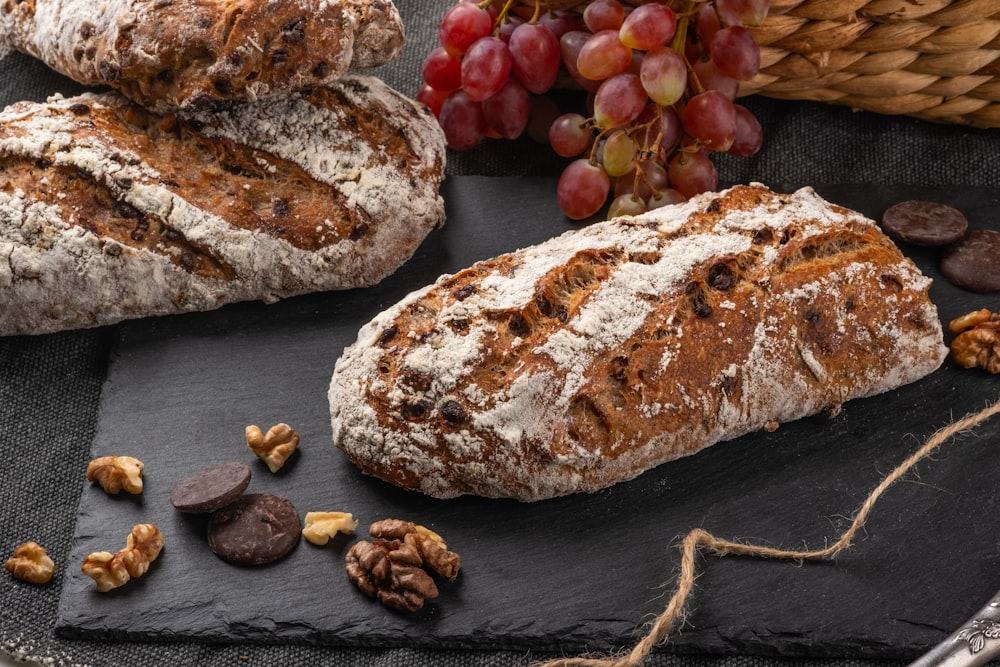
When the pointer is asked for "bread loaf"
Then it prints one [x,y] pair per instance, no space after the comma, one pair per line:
[590,358]
[110,212]
[179,53]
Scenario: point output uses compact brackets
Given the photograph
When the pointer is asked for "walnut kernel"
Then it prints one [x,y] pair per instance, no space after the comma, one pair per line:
[30,563]
[275,447]
[429,545]
[389,571]
[116,473]
[978,340]
[105,569]
[394,566]
[321,526]
[110,570]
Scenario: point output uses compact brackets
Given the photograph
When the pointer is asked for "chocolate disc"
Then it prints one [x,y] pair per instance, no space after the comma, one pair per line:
[924,223]
[974,262]
[255,529]
[209,489]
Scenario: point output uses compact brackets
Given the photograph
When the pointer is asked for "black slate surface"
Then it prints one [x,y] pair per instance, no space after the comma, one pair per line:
[575,573]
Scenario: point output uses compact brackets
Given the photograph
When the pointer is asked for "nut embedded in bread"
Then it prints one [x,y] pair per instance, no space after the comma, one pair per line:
[182,53]
[109,212]
[585,360]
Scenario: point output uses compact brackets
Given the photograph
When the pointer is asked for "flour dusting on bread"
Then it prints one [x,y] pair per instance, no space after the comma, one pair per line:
[191,53]
[109,211]
[587,359]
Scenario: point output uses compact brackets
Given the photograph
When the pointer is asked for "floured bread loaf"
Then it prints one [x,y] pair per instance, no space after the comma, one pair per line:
[588,359]
[178,53]
[109,212]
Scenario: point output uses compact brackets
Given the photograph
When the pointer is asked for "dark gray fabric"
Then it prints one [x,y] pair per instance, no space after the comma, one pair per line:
[50,385]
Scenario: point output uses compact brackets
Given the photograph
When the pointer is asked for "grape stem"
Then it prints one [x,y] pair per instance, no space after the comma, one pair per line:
[680,38]
[538,11]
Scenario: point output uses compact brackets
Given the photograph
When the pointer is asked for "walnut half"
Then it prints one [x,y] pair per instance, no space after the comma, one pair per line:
[394,566]
[110,570]
[319,527]
[433,551]
[116,473]
[978,340]
[275,447]
[30,563]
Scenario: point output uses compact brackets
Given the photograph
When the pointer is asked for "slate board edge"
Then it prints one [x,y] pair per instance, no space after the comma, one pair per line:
[791,648]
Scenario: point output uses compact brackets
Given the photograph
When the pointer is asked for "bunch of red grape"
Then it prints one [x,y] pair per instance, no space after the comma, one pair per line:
[661,80]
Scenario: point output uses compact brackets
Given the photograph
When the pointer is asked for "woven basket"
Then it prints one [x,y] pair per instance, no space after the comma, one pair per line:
[938,60]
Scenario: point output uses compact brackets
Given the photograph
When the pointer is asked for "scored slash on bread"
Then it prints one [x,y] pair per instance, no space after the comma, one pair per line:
[109,212]
[587,359]
[169,54]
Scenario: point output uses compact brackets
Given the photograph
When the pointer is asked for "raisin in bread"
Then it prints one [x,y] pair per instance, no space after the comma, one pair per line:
[108,211]
[179,53]
[588,359]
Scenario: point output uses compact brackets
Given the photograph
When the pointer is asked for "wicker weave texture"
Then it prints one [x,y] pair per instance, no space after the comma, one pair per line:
[933,59]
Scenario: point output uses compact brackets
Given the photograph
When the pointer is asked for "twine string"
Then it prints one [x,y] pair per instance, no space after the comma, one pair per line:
[700,538]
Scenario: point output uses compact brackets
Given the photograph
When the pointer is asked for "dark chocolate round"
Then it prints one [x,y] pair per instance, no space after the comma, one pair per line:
[924,223]
[255,529]
[974,262]
[209,489]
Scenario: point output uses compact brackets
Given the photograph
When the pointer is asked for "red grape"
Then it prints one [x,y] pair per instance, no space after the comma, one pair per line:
[711,78]
[660,128]
[647,27]
[570,45]
[706,24]
[603,56]
[663,74]
[582,189]
[462,25]
[626,204]
[485,68]
[509,26]
[749,134]
[544,111]
[646,178]
[735,53]
[692,173]
[670,127]
[619,100]
[508,110]
[534,51]
[603,15]
[569,136]
[560,22]
[710,118]
[463,121]
[433,98]
[742,12]
[665,198]
[442,70]
[618,155]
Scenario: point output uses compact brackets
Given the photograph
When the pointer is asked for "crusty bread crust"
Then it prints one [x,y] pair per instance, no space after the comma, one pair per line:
[168,54]
[110,212]
[588,359]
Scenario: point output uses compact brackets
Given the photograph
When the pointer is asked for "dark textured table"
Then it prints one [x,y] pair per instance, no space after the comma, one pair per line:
[51,386]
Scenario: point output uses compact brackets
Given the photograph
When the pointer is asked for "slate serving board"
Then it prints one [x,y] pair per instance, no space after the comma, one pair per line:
[577,573]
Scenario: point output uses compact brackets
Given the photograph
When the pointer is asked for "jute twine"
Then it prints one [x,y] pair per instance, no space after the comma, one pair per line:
[938,60]
[701,539]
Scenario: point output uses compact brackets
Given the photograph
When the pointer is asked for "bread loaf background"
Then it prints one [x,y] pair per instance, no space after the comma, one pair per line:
[108,211]
[183,53]
[585,360]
